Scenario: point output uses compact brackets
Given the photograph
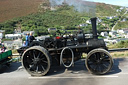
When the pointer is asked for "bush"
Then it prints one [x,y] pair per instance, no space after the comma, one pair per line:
[121,44]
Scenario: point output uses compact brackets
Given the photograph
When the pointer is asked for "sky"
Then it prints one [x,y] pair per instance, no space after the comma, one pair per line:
[114,2]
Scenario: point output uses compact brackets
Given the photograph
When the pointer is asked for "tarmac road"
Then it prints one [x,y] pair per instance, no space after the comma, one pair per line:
[77,75]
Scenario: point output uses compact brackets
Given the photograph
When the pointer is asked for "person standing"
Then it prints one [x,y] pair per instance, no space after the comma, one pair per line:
[31,37]
[27,39]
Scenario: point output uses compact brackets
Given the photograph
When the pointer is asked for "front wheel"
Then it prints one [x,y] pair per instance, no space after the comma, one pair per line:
[36,60]
[99,61]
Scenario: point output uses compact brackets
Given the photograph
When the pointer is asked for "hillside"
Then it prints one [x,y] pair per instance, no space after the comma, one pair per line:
[39,22]
[123,22]
[64,17]
[15,8]
[103,9]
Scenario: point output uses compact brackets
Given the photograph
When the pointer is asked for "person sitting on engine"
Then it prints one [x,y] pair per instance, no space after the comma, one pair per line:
[24,44]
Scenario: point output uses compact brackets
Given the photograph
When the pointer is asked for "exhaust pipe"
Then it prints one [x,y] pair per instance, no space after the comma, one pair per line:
[94,29]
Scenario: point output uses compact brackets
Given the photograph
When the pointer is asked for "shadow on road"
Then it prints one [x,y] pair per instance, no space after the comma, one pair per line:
[13,67]
[80,67]
[115,68]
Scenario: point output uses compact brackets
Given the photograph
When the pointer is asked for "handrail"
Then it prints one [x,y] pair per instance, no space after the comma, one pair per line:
[118,49]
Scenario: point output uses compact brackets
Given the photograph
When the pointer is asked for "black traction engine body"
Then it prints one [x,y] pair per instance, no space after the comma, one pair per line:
[65,50]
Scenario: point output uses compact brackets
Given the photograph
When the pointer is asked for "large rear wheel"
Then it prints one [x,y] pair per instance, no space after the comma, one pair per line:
[36,60]
[99,61]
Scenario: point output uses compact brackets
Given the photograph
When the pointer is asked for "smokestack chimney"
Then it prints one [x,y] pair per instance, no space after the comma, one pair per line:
[94,29]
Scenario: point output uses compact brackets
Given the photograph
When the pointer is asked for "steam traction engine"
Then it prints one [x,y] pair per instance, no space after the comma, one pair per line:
[40,56]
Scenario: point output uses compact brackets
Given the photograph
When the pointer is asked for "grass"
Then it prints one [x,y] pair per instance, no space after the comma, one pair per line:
[119,54]
[121,44]
[14,51]
[15,58]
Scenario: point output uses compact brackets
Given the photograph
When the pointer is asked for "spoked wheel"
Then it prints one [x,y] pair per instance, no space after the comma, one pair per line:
[99,61]
[36,60]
